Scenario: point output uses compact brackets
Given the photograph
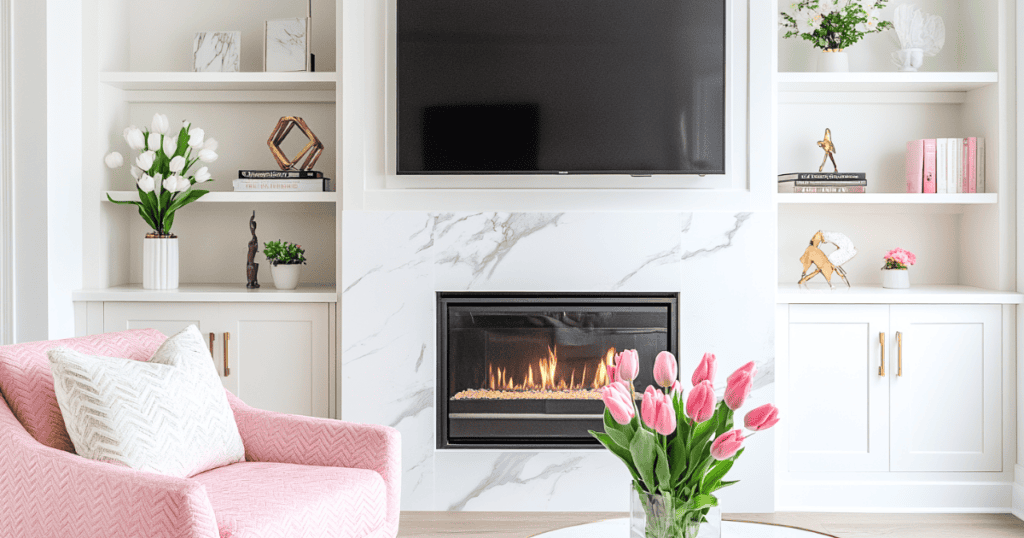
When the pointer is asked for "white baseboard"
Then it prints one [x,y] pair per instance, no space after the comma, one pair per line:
[1018,497]
[895,497]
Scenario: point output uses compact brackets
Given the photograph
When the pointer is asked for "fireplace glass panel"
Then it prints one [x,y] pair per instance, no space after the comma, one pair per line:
[527,370]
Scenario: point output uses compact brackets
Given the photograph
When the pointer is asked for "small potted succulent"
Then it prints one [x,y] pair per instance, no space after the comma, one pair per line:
[285,260]
[896,271]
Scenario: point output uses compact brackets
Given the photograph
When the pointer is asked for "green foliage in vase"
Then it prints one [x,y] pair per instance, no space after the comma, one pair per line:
[283,253]
[833,24]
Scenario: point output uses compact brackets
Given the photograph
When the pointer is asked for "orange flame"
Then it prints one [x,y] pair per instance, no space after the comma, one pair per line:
[550,377]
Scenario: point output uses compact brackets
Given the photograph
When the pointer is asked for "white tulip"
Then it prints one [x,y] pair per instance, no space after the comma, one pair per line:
[170,145]
[114,160]
[145,160]
[159,124]
[153,141]
[185,125]
[183,184]
[134,137]
[203,175]
[158,180]
[195,137]
[146,183]
[171,184]
[136,172]
[211,143]
[177,164]
[207,155]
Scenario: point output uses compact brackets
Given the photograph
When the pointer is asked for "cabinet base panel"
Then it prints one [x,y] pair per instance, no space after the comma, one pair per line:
[878,497]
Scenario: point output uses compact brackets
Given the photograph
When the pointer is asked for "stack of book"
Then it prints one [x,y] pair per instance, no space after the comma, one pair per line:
[281,181]
[946,165]
[822,182]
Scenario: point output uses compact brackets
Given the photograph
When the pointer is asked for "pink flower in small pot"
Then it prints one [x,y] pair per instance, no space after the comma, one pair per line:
[705,370]
[700,405]
[619,402]
[739,385]
[627,364]
[657,412]
[761,418]
[726,445]
[665,369]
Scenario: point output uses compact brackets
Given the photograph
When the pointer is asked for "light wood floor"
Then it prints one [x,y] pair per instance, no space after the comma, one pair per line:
[526,524]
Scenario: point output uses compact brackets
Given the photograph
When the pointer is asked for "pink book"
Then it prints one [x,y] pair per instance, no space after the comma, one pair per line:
[929,166]
[915,166]
[972,169]
[965,165]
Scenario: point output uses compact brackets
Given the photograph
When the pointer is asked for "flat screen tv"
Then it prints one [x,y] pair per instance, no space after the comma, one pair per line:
[561,86]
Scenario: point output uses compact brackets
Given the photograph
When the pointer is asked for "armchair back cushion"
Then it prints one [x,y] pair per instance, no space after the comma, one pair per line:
[27,385]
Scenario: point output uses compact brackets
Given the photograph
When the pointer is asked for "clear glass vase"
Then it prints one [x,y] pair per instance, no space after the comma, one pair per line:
[657,516]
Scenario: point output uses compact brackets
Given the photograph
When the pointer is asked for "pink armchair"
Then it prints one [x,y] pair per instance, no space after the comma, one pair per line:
[303,477]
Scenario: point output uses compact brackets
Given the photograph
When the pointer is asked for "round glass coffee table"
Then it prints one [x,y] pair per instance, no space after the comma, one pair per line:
[619,528]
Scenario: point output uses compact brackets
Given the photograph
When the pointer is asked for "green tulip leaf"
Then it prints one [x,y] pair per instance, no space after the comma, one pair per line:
[661,468]
[643,450]
[716,474]
[622,453]
[622,435]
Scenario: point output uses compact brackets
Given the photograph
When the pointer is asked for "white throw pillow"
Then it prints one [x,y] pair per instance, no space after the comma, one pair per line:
[169,415]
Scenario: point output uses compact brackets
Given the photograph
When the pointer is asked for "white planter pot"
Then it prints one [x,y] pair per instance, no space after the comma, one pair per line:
[896,279]
[286,277]
[160,262]
[833,61]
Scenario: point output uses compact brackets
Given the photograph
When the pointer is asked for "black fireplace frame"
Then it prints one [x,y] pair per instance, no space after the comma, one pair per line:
[447,298]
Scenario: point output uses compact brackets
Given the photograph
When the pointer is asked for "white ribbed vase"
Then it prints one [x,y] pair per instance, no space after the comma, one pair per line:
[896,279]
[160,262]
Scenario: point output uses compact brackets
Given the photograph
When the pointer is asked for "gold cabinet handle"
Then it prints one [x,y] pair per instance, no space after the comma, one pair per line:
[899,354]
[227,369]
[881,367]
[211,343]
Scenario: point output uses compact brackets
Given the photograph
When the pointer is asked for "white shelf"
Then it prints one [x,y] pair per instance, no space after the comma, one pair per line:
[887,198]
[885,82]
[227,293]
[247,197]
[185,81]
[819,293]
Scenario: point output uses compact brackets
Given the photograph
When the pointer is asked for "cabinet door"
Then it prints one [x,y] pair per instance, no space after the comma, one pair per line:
[278,355]
[946,402]
[838,402]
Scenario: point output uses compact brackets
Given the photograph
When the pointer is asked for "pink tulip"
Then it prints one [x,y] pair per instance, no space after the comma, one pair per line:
[761,418]
[675,388]
[726,445]
[700,405]
[628,364]
[738,389]
[612,371]
[619,401]
[705,370]
[665,369]
[657,412]
[749,368]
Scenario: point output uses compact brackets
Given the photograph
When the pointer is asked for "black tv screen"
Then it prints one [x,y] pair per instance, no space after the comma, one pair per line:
[561,86]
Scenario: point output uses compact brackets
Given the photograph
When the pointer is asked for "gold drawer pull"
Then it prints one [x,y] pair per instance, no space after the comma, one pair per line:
[211,343]
[899,353]
[881,367]
[227,369]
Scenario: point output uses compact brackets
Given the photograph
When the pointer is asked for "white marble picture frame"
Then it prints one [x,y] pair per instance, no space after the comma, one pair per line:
[286,45]
[217,52]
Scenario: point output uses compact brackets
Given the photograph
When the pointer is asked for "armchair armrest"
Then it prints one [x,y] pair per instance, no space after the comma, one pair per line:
[281,438]
[49,492]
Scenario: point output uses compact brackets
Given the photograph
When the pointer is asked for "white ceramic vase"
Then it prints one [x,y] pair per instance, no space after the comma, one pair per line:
[160,262]
[286,276]
[833,61]
[896,279]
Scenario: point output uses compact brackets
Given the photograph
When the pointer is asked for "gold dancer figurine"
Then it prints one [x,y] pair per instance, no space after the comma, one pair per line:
[830,149]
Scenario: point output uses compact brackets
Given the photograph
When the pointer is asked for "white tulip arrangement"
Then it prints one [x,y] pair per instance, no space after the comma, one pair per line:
[161,170]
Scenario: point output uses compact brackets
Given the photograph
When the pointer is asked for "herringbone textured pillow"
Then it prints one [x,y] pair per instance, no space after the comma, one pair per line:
[169,415]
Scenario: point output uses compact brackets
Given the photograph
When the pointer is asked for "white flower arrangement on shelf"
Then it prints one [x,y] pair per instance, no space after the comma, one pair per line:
[833,25]
[161,170]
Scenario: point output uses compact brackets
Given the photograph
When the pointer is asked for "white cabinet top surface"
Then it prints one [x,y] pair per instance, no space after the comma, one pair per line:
[819,293]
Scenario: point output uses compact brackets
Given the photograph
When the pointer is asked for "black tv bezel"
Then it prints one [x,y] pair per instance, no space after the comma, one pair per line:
[630,172]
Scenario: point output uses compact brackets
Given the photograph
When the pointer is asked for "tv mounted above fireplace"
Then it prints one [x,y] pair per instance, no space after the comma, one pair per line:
[525,370]
[561,87]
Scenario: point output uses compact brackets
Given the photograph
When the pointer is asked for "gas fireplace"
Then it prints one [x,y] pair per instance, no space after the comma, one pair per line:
[524,370]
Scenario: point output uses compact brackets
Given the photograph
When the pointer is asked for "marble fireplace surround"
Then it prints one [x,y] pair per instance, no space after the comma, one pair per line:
[394,262]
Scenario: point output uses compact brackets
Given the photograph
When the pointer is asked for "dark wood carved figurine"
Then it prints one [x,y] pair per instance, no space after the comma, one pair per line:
[251,267]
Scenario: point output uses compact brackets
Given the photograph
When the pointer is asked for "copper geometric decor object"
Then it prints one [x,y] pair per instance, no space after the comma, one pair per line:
[312,150]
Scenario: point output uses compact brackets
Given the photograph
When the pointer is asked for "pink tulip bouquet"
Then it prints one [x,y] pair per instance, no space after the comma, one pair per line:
[678,448]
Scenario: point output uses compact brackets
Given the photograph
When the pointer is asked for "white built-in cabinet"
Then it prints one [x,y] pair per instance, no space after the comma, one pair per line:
[879,388]
[273,356]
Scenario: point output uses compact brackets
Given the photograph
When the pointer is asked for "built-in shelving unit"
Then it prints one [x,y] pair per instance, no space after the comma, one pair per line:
[819,293]
[244,197]
[885,82]
[211,293]
[174,81]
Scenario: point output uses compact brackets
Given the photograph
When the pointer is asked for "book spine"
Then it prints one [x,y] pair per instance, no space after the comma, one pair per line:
[929,167]
[830,183]
[981,166]
[972,168]
[831,176]
[280,174]
[951,145]
[965,165]
[959,171]
[941,166]
[279,185]
[830,190]
[915,166]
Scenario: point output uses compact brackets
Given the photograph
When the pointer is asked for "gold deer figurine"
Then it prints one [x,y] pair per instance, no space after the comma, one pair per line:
[830,150]
[827,264]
